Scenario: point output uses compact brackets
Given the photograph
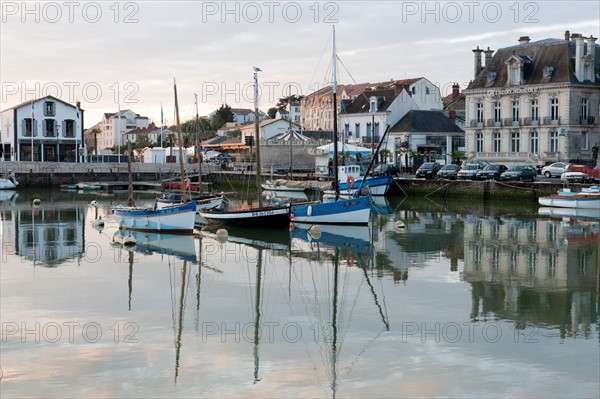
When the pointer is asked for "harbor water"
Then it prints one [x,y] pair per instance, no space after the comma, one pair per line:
[433,298]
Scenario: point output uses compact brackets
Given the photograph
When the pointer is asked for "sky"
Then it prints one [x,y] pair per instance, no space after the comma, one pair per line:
[109,54]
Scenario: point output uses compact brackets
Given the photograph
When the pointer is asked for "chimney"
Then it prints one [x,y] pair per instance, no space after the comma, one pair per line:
[452,115]
[567,35]
[524,40]
[455,90]
[579,47]
[488,56]
[477,66]
[591,45]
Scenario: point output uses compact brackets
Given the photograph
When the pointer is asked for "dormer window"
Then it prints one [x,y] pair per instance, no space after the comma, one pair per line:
[48,108]
[547,71]
[491,76]
[516,69]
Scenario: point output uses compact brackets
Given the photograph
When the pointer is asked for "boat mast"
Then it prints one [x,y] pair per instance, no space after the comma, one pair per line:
[257,136]
[336,185]
[257,314]
[198,147]
[181,170]
[291,133]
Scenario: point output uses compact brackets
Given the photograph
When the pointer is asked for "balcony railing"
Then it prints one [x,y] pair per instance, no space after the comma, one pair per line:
[587,120]
[511,122]
[367,139]
[549,121]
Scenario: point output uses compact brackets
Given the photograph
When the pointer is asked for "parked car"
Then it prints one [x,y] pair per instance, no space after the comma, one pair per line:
[448,172]
[223,159]
[482,164]
[490,172]
[519,172]
[594,179]
[386,169]
[574,177]
[428,170]
[554,170]
[469,171]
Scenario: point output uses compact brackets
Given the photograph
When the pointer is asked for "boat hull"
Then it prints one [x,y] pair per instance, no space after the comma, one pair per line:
[579,213]
[175,220]
[355,211]
[7,184]
[378,186]
[581,202]
[205,203]
[258,218]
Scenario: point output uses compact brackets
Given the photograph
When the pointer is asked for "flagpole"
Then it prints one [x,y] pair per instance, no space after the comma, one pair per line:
[119,133]
[32,126]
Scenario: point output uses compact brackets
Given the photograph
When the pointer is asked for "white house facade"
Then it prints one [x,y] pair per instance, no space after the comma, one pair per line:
[46,129]
[536,102]
[114,128]
[316,111]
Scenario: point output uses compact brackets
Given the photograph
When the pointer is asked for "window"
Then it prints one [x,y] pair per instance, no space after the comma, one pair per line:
[347,129]
[69,128]
[533,142]
[585,140]
[479,142]
[357,129]
[49,128]
[414,90]
[553,141]
[515,142]
[515,110]
[514,260]
[497,142]
[531,262]
[584,110]
[552,264]
[535,114]
[48,108]
[426,90]
[373,107]
[479,110]
[497,114]
[554,109]
[28,127]
[369,131]
[515,74]
[376,129]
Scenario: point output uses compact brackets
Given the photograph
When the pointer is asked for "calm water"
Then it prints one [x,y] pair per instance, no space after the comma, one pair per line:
[463,300]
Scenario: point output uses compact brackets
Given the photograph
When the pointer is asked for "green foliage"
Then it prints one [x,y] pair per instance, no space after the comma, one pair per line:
[283,101]
[223,115]
[234,133]
[272,112]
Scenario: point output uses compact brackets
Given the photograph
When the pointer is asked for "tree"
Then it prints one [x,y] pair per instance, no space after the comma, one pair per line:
[170,138]
[272,112]
[235,133]
[457,155]
[282,103]
[95,132]
[222,115]
[384,153]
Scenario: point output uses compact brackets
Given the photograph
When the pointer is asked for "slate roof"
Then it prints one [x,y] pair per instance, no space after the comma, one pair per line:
[361,103]
[39,99]
[417,121]
[555,53]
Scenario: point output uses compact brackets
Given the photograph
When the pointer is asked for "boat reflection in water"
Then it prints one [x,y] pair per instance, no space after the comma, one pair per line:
[180,246]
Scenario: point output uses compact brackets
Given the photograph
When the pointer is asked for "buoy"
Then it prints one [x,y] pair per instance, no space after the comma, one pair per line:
[222,235]
[292,227]
[309,210]
[94,204]
[315,232]
[129,241]
[292,216]
[37,202]
[399,224]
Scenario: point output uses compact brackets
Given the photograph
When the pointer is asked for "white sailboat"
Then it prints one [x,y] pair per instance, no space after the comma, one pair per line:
[261,217]
[353,211]
[179,218]
[8,182]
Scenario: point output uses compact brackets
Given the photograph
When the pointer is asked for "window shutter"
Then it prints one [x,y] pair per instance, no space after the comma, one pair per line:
[64,128]
[23,127]
[35,128]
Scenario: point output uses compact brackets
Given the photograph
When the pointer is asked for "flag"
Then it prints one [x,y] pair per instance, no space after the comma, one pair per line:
[77,110]
[32,111]
[161,115]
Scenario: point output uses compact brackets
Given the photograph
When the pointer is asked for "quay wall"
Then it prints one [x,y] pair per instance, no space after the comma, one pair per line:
[40,175]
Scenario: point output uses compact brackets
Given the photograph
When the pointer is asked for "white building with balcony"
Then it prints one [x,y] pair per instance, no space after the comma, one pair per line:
[536,102]
[114,129]
[46,129]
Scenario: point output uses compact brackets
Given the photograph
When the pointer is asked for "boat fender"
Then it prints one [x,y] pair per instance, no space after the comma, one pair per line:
[309,210]
[222,236]
[94,204]
[37,202]
[399,224]
[350,182]
[187,183]
[315,232]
